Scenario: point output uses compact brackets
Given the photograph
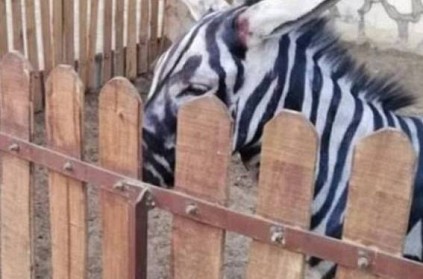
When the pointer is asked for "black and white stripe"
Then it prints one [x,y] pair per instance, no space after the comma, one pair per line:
[306,70]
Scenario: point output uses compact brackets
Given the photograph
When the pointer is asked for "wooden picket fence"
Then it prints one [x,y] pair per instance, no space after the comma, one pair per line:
[378,201]
[47,34]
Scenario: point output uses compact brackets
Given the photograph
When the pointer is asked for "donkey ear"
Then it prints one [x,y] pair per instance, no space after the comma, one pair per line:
[267,18]
[198,8]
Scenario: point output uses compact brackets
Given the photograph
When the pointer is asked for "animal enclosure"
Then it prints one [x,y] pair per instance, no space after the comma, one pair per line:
[55,32]
[377,212]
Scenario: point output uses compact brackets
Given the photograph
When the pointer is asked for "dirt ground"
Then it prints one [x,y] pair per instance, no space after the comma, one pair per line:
[407,67]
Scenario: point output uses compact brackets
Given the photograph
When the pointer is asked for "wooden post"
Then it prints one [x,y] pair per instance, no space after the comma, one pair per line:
[202,158]
[124,222]
[119,58]
[16,118]
[107,41]
[131,49]
[68,198]
[3,29]
[286,183]
[379,198]
[144,43]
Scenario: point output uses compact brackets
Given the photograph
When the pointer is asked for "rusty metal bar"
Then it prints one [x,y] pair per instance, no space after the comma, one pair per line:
[294,239]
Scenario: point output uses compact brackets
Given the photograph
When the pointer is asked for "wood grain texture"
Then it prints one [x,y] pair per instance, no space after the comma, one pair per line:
[143,40]
[16,118]
[107,41]
[47,36]
[119,55]
[202,159]
[3,29]
[58,36]
[33,55]
[285,194]
[379,196]
[154,32]
[131,48]
[92,47]
[83,41]
[18,34]
[120,136]
[68,198]
[68,32]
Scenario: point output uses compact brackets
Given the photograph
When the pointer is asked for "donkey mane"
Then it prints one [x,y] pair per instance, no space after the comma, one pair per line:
[384,89]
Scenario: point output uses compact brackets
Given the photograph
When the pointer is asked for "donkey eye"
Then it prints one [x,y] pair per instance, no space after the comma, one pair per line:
[194,90]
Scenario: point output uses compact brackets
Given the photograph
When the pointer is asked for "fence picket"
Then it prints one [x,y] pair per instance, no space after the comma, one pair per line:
[3,28]
[107,41]
[18,34]
[202,159]
[16,118]
[119,57]
[131,48]
[154,21]
[288,160]
[124,236]
[92,46]
[58,32]
[47,37]
[144,43]
[68,198]
[379,195]
[83,41]
[68,32]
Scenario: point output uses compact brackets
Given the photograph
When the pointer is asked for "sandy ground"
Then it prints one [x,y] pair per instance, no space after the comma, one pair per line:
[409,69]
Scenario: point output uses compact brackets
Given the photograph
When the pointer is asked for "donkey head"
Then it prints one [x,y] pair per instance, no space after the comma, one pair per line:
[223,54]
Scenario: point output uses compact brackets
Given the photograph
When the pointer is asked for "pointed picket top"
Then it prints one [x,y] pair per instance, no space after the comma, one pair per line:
[285,192]
[380,194]
[120,116]
[16,118]
[203,152]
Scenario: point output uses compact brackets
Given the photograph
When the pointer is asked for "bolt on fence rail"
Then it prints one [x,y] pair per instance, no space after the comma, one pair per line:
[375,223]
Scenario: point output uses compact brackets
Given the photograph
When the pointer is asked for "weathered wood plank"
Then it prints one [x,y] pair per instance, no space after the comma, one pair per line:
[286,181]
[107,41]
[68,199]
[47,37]
[119,58]
[83,41]
[379,197]
[154,29]
[131,48]
[33,54]
[92,47]
[120,115]
[58,36]
[16,118]
[68,32]
[202,159]
[3,29]
[18,34]
[143,40]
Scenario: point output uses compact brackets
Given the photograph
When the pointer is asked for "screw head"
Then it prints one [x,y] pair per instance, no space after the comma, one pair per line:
[119,186]
[68,166]
[191,209]
[14,147]
[277,235]
[363,261]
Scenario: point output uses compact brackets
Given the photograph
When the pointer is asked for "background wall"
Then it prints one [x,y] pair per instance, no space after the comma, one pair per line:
[385,23]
